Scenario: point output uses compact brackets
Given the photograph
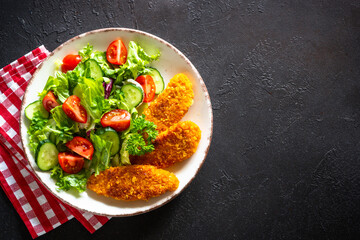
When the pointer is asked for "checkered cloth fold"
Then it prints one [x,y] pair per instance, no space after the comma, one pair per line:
[37,207]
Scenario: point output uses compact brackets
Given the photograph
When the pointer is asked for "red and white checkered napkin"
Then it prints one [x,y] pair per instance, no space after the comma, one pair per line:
[38,208]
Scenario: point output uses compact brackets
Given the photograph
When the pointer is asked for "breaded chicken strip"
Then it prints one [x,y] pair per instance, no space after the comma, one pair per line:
[133,182]
[176,144]
[172,104]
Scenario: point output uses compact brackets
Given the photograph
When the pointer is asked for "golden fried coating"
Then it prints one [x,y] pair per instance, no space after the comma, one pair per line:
[133,182]
[172,104]
[176,144]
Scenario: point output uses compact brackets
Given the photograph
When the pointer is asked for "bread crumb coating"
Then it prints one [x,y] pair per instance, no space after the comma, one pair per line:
[172,104]
[133,182]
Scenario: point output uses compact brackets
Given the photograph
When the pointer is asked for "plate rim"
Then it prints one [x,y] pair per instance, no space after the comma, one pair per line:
[203,87]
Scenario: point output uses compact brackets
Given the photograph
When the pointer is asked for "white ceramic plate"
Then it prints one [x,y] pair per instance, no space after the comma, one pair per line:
[171,62]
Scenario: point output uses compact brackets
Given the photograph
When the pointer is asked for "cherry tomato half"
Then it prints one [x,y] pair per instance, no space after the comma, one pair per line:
[118,119]
[116,52]
[70,62]
[81,146]
[49,101]
[74,110]
[148,85]
[70,162]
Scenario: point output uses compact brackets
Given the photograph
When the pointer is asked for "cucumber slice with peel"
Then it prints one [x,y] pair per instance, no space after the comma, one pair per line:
[46,155]
[35,107]
[112,136]
[93,70]
[158,80]
[133,92]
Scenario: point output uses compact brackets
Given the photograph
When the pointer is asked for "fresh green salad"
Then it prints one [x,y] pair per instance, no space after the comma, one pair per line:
[88,117]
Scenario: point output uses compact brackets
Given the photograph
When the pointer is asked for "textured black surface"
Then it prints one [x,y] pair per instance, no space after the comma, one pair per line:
[284,81]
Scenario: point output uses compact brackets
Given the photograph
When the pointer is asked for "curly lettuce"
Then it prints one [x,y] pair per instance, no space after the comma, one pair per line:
[67,181]
[59,85]
[37,131]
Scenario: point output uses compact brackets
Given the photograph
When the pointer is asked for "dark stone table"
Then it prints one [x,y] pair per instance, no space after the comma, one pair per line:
[284,81]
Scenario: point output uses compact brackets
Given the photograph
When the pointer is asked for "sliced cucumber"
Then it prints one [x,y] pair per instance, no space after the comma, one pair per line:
[110,135]
[158,80]
[46,155]
[93,70]
[34,107]
[133,92]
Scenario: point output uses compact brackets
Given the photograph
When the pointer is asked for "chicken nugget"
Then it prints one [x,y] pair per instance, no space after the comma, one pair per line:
[172,104]
[133,182]
[176,144]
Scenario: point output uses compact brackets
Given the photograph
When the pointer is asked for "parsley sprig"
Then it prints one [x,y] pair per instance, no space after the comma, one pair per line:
[141,136]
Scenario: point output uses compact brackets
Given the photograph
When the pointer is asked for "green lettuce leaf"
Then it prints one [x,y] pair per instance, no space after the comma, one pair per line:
[85,52]
[101,157]
[61,126]
[36,131]
[136,61]
[137,58]
[100,57]
[65,182]
[59,85]
[117,100]
[74,76]
[61,119]
[124,153]
[92,97]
